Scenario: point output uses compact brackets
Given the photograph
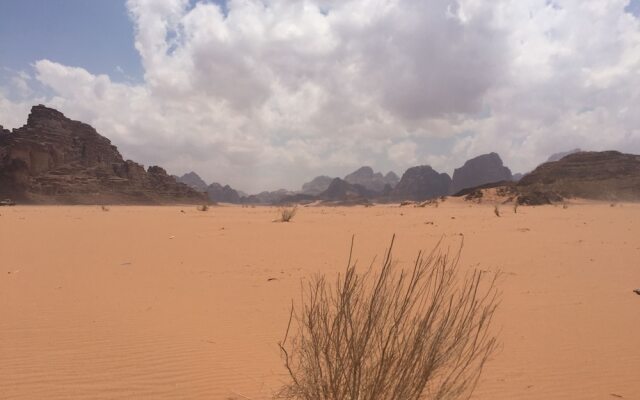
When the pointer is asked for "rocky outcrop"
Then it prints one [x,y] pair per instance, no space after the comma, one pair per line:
[480,170]
[605,175]
[558,156]
[53,159]
[374,181]
[222,194]
[318,185]
[194,181]
[421,183]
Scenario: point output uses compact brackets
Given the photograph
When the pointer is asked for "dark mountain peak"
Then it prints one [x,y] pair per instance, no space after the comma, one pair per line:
[374,181]
[362,172]
[421,183]
[480,170]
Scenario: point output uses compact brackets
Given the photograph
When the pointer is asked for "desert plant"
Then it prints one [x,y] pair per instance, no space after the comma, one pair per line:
[204,207]
[496,211]
[287,213]
[515,207]
[104,208]
[405,335]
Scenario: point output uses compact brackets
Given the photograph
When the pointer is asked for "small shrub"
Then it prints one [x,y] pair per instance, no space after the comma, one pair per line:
[418,333]
[496,211]
[565,206]
[287,213]
[515,207]
[204,207]
[104,208]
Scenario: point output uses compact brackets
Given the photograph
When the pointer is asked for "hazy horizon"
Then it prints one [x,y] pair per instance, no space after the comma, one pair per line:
[264,95]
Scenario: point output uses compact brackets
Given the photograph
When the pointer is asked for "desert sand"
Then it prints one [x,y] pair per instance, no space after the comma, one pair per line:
[152,302]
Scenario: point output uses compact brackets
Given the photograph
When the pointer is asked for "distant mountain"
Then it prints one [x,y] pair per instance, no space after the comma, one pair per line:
[486,168]
[341,190]
[194,181]
[266,197]
[517,176]
[558,156]
[606,175]
[318,185]
[421,183]
[374,181]
[53,159]
[222,194]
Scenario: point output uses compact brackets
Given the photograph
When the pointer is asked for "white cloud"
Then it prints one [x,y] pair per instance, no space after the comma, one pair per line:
[275,92]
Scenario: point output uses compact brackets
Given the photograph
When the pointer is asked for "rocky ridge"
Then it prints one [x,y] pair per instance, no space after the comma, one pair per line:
[53,159]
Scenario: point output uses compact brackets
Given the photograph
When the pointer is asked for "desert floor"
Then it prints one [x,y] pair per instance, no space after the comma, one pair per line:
[152,302]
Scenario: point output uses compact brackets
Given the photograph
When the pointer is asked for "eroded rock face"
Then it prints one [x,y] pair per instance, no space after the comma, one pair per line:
[374,181]
[53,159]
[421,183]
[605,175]
[480,170]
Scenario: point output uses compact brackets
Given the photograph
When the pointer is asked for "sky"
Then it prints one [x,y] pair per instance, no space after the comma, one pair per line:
[267,94]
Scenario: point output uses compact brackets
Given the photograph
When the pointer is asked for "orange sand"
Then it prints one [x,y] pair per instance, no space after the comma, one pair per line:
[150,302]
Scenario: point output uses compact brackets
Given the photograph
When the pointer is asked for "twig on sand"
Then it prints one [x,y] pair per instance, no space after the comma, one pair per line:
[241,395]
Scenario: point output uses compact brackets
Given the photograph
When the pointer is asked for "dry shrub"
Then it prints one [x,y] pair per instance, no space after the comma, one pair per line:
[496,211]
[204,207]
[287,213]
[410,334]
[104,208]
[515,207]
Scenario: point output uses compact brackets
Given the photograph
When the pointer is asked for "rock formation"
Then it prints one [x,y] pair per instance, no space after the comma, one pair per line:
[605,175]
[376,182]
[194,181]
[318,185]
[222,194]
[421,183]
[341,190]
[53,159]
[480,170]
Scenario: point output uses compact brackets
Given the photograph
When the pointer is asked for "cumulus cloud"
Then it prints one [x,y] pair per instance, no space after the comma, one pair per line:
[267,94]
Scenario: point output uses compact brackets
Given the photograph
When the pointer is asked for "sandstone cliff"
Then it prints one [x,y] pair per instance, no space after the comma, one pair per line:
[53,159]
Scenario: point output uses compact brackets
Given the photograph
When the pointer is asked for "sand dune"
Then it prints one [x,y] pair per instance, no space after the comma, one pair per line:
[152,302]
